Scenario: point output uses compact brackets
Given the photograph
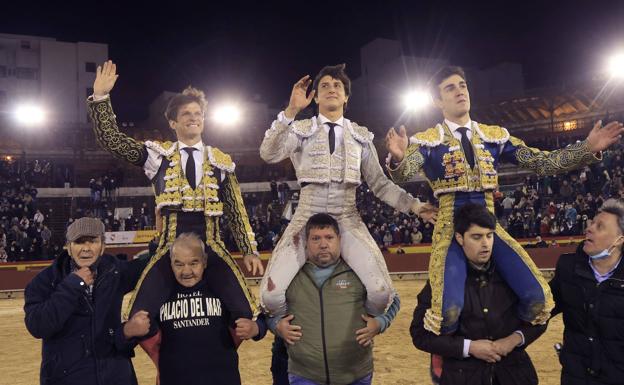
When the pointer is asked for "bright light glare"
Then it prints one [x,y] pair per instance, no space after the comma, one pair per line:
[227,115]
[29,114]
[416,100]
[616,65]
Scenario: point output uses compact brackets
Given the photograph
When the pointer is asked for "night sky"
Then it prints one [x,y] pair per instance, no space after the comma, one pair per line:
[235,50]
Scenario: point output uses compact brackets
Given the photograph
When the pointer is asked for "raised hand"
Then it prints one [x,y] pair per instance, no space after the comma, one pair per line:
[299,98]
[105,78]
[396,143]
[600,138]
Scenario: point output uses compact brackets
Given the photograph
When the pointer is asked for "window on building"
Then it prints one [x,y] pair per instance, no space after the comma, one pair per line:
[25,44]
[3,72]
[26,73]
[90,66]
[3,97]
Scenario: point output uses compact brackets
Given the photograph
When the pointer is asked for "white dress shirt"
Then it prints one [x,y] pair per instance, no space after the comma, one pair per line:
[154,160]
[338,130]
[454,126]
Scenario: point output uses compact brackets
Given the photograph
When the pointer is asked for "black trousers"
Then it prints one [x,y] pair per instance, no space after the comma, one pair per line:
[279,362]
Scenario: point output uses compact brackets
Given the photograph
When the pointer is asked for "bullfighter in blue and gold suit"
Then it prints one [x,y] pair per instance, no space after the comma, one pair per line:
[459,158]
[195,186]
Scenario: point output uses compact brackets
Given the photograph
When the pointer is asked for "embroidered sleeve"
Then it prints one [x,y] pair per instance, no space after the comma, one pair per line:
[410,166]
[237,215]
[110,138]
[554,162]
[279,142]
[380,185]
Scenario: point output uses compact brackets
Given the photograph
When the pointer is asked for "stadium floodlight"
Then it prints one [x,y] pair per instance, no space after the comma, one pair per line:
[616,65]
[226,114]
[29,114]
[416,100]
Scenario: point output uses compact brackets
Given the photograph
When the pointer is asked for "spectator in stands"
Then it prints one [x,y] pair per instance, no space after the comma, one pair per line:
[274,192]
[38,218]
[416,236]
[387,239]
[539,242]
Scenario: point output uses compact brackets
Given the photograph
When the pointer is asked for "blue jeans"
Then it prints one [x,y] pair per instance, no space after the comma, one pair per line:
[296,380]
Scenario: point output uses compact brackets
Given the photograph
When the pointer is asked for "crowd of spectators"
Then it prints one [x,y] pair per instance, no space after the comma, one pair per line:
[24,229]
[536,208]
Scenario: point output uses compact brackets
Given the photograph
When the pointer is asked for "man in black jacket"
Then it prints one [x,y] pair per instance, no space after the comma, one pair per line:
[74,305]
[489,345]
[588,289]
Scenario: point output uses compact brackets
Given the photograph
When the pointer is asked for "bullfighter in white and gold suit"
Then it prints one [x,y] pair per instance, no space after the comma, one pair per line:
[330,155]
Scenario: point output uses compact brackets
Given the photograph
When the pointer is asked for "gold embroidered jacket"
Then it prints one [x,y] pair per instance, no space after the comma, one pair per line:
[439,156]
[307,145]
[213,196]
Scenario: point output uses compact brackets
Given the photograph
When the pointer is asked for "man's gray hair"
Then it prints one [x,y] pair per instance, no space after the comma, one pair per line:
[615,207]
[192,242]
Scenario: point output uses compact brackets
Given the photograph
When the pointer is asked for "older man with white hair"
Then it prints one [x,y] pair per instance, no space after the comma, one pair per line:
[588,288]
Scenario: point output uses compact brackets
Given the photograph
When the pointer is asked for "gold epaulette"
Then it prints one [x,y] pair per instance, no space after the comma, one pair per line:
[431,137]
[163,148]
[492,134]
[220,159]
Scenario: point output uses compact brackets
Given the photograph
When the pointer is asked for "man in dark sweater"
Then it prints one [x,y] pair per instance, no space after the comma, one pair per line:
[489,345]
[199,334]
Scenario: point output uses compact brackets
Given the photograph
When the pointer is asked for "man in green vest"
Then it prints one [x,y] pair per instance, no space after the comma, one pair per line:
[328,333]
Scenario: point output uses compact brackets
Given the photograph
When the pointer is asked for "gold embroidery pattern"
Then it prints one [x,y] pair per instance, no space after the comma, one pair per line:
[430,137]
[110,138]
[442,236]
[542,312]
[213,239]
[220,159]
[169,223]
[237,215]
[492,134]
[411,165]
[553,162]
[178,193]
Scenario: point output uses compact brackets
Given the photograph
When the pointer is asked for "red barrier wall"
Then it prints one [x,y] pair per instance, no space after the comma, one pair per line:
[15,276]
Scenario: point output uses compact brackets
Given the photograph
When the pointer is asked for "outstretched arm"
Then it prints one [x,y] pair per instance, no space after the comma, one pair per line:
[104,123]
[566,159]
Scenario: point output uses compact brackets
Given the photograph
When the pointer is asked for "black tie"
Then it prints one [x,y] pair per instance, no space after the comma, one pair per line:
[190,166]
[466,145]
[332,137]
